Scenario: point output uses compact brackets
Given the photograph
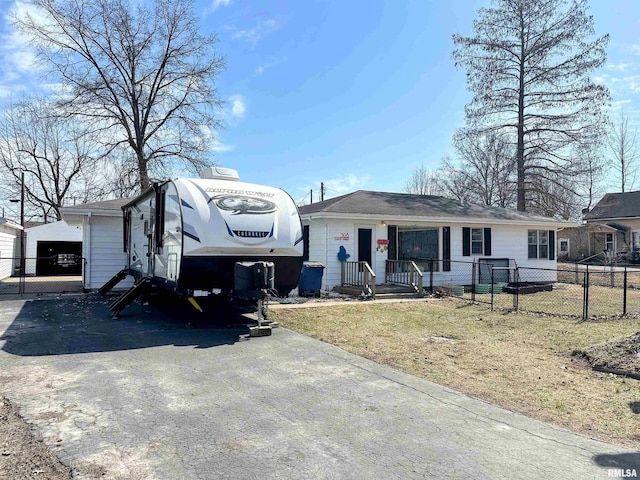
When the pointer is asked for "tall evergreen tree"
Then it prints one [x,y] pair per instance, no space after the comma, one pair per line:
[527,65]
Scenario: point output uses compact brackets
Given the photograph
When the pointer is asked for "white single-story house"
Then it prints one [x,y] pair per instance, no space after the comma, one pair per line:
[102,240]
[8,233]
[378,226]
[53,248]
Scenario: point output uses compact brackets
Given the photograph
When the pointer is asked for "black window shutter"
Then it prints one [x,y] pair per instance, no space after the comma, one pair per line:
[392,233]
[466,241]
[446,249]
[305,243]
[487,242]
[552,245]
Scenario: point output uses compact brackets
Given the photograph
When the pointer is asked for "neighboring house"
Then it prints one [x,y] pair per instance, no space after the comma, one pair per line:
[611,230]
[377,226]
[102,235]
[53,249]
[8,233]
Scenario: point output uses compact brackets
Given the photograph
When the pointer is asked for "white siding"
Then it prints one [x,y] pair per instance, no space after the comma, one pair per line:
[7,261]
[50,232]
[102,248]
[507,241]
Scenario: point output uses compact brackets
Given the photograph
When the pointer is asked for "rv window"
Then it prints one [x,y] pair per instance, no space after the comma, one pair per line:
[125,231]
[160,215]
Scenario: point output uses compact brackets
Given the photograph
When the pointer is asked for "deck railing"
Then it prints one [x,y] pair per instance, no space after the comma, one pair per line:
[404,272]
[359,274]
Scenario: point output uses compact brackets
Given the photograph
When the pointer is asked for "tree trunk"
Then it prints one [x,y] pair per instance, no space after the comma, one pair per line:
[521,197]
[144,173]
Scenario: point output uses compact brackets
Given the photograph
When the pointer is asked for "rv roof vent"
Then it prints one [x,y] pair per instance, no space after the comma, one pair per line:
[220,173]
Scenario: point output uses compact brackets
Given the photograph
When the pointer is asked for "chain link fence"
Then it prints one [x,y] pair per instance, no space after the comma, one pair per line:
[580,291]
[39,275]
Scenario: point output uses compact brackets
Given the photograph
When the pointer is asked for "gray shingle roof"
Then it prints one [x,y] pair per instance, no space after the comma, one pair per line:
[114,204]
[364,202]
[616,205]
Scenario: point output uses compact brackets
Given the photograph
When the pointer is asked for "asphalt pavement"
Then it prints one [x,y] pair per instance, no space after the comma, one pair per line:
[164,393]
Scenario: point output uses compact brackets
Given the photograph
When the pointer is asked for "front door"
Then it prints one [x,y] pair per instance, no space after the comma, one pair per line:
[364,245]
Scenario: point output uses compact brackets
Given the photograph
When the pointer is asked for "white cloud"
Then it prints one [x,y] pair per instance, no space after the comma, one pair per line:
[269,63]
[255,34]
[238,106]
[215,4]
[335,187]
[219,147]
[619,67]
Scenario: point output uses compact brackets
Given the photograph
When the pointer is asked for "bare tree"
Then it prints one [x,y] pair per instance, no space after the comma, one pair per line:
[487,164]
[528,66]
[622,143]
[59,160]
[423,182]
[590,185]
[144,76]
[455,181]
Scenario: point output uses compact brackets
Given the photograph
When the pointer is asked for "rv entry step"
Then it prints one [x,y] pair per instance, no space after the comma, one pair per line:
[116,279]
[130,295]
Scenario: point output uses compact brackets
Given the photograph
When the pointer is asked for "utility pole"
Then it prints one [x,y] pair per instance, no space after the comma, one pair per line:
[312,195]
[322,191]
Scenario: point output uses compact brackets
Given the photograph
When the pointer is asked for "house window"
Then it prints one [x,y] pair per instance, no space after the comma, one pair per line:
[564,245]
[610,243]
[476,241]
[635,240]
[419,245]
[477,235]
[539,244]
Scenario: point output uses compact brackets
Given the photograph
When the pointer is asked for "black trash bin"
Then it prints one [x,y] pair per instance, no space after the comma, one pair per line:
[310,279]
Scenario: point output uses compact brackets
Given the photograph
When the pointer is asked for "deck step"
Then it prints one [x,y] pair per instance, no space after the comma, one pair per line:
[116,279]
[142,286]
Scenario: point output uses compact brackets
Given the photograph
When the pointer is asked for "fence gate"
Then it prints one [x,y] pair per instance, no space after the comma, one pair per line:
[35,275]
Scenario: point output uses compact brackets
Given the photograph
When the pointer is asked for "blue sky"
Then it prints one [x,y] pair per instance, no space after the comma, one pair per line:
[356,94]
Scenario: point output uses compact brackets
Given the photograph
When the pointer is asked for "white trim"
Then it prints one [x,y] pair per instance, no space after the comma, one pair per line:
[392,219]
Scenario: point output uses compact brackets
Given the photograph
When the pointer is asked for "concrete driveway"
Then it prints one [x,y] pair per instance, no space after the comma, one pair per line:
[159,394]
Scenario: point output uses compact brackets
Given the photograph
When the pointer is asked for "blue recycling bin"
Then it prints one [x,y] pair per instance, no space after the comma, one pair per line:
[310,279]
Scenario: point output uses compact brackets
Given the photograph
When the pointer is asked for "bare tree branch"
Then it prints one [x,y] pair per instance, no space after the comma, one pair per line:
[144,77]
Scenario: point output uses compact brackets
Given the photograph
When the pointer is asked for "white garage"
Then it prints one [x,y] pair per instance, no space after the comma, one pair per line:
[8,233]
[54,249]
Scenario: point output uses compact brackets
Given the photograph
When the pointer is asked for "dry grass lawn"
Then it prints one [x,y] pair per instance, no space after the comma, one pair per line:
[521,362]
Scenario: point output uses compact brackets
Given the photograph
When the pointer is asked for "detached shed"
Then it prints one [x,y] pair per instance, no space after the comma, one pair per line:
[102,240]
[54,249]
[8,233]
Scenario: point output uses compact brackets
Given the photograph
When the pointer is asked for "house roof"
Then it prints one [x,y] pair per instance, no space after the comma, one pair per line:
[393,206]
[104,207]
[616,205]
[9,224]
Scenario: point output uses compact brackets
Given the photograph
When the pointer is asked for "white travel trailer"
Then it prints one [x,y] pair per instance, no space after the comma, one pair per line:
[188,235]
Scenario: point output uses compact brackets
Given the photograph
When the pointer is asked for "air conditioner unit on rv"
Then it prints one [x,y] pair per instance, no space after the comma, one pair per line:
[220,173]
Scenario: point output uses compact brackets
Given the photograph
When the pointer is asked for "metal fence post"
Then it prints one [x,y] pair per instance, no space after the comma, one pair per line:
[624,293]
[492,286]
[473,282]
[516,275]
[585,296]
[431,275]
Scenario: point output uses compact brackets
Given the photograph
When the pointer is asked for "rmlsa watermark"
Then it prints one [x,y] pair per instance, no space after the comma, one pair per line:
[623,473]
